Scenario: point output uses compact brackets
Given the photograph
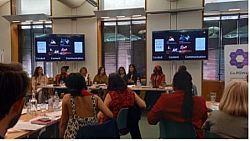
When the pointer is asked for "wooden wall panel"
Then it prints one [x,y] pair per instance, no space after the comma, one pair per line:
[212,86]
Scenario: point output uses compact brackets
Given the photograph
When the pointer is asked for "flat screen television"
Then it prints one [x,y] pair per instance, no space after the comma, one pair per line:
[188,44]
[60,47]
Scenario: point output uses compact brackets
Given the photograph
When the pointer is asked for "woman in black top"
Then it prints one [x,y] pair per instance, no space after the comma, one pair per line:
[132,75]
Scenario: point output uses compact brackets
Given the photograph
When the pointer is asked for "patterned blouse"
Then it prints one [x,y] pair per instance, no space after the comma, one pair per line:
[76,122]
[121,99]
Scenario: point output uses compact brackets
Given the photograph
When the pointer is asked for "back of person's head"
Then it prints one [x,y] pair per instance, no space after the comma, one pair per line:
[182,68]
[183,81]
[116,83]
[75,83]
[234,100]
[13,86]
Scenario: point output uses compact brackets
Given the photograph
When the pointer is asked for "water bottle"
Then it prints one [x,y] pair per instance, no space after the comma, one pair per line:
[138,83]
[33,103]
[50,104]
[56,101]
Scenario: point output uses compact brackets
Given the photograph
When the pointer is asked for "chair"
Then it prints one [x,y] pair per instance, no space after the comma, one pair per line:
[176,130]
[122,121]
[106,130]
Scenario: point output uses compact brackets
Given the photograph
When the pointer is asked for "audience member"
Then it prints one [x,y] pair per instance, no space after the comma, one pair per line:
[101,77]
[181,106]
[86,75]
[38,79]
[157,77]
[79,107]
[231,121]
[132,75]
[13,85]
[118,97]
[122,73]
[194,88]
[60,78]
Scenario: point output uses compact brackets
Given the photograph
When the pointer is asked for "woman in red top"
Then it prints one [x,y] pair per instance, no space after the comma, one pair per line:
[157,77]
[180,106]
[119,96]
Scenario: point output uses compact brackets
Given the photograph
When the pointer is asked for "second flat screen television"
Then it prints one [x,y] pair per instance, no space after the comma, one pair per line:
[60,47]
[188,44]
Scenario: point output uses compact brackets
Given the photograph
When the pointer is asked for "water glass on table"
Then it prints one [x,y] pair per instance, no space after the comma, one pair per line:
[43,108]
[212,97]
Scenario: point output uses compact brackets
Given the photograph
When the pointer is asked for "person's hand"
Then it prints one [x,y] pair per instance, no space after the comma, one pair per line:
[100,117]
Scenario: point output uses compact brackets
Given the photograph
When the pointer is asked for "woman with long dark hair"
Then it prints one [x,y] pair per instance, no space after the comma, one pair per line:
[101,77]
[79,107]
[157,77]
[181,106]
[122,73]
[37,80]
[118,97]
[132,75]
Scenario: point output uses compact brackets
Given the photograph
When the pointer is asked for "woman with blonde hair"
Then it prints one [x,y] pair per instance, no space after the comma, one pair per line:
[231,121]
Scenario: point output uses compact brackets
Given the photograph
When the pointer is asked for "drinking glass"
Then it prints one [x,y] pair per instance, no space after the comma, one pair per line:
[212,97]
[43,108]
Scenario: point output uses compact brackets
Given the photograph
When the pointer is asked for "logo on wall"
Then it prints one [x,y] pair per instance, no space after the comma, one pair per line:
[239,58]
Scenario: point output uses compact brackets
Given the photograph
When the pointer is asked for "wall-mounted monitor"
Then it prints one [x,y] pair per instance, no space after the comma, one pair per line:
[188,44]
[60,47]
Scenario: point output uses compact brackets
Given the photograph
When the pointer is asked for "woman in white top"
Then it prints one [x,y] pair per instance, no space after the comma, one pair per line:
[39,79]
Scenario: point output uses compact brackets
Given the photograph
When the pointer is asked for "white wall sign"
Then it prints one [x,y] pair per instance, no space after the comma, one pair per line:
[236,61]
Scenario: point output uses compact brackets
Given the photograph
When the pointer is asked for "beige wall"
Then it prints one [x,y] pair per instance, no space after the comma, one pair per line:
[185,20]
[161,5]
[87,26]
[5,38]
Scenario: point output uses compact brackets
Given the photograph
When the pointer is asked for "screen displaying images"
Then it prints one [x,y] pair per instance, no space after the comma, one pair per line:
[60,47]
[180,44]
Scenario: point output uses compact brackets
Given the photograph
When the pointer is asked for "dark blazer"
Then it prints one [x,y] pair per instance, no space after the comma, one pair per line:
[133,77]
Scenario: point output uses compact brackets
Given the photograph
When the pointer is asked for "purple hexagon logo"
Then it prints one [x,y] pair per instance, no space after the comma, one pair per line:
[239,58]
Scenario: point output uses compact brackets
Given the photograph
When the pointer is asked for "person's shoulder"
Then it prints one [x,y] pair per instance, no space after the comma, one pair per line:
[67,96]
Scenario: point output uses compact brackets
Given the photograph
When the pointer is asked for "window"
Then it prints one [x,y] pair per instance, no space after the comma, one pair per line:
[121,4]
[222,30]
[33,7]
[27,34]
[124,43]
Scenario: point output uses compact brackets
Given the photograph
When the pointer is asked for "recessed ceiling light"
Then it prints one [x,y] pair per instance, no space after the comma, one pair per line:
[105,17]
[120,16]
[234,9]
[16,21]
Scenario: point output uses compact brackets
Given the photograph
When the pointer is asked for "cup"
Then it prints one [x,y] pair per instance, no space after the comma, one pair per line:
[212,97]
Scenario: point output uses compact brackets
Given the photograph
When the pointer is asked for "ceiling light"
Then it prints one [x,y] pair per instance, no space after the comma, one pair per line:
[234,9]
[105,17]
[16,21]
[136,15]
[120,16]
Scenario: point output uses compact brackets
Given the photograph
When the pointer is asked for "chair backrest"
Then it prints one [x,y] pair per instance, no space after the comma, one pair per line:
[122,121]
[106,130]
[176,130]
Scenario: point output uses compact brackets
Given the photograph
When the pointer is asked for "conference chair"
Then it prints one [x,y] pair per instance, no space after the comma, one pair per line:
[122,121]
[176,130]
[106,130]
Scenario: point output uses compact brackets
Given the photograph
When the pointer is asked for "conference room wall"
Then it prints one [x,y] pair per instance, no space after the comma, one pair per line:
[185,20]
[5,38]
[161,5]
[87,26]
